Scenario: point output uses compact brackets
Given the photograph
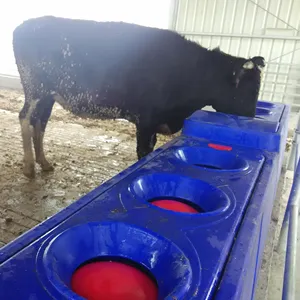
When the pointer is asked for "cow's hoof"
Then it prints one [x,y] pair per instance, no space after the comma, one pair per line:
[47,167]
[29,171]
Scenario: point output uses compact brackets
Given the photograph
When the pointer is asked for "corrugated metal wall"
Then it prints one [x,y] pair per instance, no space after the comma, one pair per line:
[269,28]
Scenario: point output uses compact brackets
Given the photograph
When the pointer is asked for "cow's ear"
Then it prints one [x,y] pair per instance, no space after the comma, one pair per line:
[248,65]
[240,70]
[258,61]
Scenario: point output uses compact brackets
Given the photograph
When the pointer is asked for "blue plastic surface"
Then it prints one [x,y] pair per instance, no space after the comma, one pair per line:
[213,254]
[270,112]
[261,132]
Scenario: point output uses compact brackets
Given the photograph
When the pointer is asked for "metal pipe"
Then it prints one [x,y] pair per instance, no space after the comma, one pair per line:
[238,35]
[291,165]
[294,77]
[296,158]
[285,54]
[288,94]
[284,84]
[296,66]
[289,282]
[272,14]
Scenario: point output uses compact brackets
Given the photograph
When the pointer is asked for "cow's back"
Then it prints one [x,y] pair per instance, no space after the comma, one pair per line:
[102,42]
[115,60]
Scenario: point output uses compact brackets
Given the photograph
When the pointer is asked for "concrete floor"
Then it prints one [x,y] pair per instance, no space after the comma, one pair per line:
[73,144]
[277,269]
[271,275]
[85,153]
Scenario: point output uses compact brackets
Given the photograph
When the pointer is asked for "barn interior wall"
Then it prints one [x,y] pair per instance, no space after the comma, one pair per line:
[269,28]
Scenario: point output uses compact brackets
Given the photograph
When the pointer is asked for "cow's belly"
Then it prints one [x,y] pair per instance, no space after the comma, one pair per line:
[86,107]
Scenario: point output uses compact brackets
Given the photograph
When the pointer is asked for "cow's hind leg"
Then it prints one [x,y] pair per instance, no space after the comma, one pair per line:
[25,117]
[39,121]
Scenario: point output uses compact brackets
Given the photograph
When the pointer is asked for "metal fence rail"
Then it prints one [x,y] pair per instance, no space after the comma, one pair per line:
[290,223]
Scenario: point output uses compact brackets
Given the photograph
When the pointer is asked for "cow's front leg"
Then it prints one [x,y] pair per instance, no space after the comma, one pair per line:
[25,118]
[146,140]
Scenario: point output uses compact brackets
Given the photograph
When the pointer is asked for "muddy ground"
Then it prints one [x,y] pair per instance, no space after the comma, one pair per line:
[85,153]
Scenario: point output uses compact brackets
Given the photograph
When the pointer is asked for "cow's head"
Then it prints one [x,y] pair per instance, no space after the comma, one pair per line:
[243,87]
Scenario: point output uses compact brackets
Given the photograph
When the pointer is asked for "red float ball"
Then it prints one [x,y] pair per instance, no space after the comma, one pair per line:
[175,206]
[112,281]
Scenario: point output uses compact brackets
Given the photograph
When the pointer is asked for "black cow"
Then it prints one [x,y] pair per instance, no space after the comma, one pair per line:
[105,70]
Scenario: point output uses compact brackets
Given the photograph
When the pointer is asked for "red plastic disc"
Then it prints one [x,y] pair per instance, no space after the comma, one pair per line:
[113,281]
[175,206]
